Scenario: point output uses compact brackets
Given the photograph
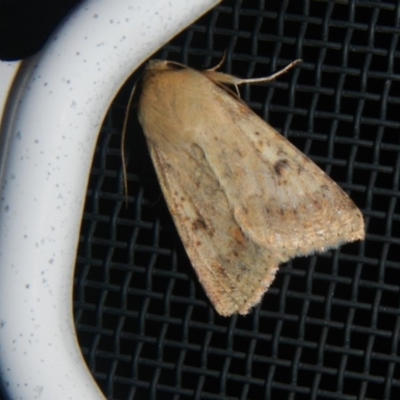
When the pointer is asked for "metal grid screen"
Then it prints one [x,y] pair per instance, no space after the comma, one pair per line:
[329,325]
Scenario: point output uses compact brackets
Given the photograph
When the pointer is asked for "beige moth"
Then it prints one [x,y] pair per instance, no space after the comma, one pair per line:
[242,197]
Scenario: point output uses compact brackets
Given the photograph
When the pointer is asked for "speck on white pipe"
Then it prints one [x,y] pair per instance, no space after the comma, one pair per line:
[48,133]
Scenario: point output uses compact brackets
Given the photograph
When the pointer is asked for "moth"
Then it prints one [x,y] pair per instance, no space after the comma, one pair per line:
[242,197]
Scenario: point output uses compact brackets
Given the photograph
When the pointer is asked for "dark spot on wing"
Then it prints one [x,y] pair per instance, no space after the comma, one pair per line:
[199,224]
[280,166]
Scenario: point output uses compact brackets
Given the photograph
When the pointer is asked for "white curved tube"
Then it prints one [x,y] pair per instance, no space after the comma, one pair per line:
[51,130]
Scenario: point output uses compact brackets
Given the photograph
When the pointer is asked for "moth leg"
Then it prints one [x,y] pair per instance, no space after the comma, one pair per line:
[218,66]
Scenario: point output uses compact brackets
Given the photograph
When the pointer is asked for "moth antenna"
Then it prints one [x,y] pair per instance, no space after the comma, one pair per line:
[124,129]
[218,66]
[239,81]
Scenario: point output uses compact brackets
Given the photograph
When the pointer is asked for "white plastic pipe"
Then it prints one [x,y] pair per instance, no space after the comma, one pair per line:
[49,133]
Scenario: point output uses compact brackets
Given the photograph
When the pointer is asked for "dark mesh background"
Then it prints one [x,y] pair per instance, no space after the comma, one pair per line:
[329,325]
